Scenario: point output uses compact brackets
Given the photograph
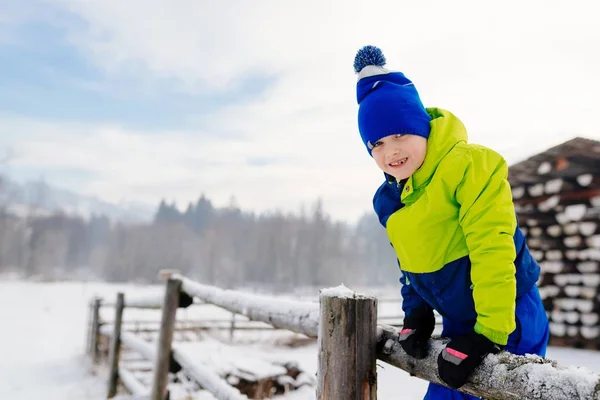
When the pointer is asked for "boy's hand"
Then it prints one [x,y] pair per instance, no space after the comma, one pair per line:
[462,355]
[415,334]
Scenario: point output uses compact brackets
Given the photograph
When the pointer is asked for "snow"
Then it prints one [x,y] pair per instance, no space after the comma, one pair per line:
[554,186]
[544,168]
[340,291]
[301,317]
[587,266]
[585,179]
[554,230]
[587,228]
[43,345]
[553,267]
[209,379]
[575,212]
[518,192]
[593,241]
[536,190]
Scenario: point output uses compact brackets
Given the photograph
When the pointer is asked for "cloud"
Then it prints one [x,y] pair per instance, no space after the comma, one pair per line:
[129,165]
[276,122]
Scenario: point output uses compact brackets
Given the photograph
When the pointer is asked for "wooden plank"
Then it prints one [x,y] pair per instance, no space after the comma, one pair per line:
[165,339]
[115,347]
[347,341]
[95,335]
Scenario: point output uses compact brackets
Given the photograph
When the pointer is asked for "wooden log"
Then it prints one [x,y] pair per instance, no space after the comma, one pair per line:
[88,334]
[299,317]
[582,305]
[567,279]
[518,192]
[588,228]
[590,319]
[570,228]
[591,280]
[553,255]
[133,385]
[573,241]
[588,292]
[536,190]
[554,230]
[115,347]
[579,213]
[588,180]
[589,254]
[347,345]
[571,317]
[593,241]
[536,231]
[137,343]
[590,332]
[552,267]
[549,291]
[544,168]
[588,267]
[208,379]
[152,301]
[503,376]
[165,339]
[550,201]
[572,331]
[537,254]
[95,336]
[558,329]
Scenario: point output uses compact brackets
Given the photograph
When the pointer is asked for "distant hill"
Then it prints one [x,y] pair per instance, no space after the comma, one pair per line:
[23,198]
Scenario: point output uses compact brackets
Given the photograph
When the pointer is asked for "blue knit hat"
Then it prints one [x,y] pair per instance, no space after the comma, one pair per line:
[388,101]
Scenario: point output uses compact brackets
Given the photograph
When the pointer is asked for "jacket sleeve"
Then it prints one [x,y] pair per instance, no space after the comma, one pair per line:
[488,220]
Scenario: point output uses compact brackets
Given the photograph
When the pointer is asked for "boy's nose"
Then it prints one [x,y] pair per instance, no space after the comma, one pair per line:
[394,152]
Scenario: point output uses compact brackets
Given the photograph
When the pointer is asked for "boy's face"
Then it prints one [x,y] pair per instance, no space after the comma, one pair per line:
[400,155]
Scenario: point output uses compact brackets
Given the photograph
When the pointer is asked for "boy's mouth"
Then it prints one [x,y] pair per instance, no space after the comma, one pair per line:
[399,162]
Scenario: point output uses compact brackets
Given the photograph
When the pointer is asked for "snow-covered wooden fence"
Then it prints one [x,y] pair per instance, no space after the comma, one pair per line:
[350,342]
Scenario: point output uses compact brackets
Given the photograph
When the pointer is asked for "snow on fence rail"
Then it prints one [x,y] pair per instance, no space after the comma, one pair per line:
[350,342]
[296,316]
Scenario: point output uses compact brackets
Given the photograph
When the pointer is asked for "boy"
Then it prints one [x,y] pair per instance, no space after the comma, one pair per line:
[448,212]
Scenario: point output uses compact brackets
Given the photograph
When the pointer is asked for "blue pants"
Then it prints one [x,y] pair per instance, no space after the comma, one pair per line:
[530,336]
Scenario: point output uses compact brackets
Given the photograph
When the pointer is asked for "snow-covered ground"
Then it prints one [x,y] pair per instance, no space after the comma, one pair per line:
[42,335]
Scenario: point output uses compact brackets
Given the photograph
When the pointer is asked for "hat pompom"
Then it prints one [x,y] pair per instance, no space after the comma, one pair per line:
[368,55]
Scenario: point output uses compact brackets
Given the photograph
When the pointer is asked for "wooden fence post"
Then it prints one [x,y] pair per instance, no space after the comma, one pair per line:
[165,339]
[88,333]
[347,346]
[232,327]
[115,347]
[95,333]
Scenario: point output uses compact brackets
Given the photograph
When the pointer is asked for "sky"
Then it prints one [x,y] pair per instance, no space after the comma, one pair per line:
[140,100]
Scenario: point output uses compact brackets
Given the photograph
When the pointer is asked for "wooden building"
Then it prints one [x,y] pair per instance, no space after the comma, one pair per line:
[557,198]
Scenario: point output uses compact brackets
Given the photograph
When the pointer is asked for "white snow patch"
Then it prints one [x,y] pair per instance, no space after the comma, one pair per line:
[42,348]
[340,291]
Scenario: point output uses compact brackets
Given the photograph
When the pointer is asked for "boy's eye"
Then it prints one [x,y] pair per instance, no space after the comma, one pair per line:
[377,143]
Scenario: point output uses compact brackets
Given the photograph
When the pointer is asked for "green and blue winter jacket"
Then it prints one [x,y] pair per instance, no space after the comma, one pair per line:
[454,229]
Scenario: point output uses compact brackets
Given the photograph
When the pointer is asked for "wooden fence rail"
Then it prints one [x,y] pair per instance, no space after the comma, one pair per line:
[299,317]
[350,341]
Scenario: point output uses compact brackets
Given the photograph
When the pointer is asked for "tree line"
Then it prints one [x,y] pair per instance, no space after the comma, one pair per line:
[224,246]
